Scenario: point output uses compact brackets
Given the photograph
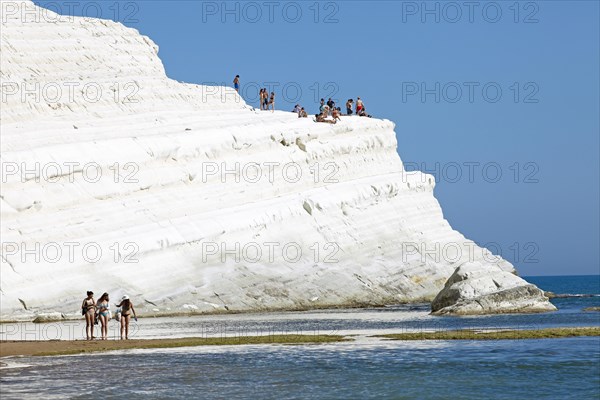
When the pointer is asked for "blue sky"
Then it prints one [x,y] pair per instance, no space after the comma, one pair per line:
[500,100]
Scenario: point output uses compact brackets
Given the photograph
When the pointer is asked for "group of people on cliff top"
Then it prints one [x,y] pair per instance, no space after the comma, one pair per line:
[99,311]
[267,102]
[329,109]
[300,111]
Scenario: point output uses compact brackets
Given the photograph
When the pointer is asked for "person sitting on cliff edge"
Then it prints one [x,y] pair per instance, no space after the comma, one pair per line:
[363,113]
[322,106]
[336,114]
[323,117]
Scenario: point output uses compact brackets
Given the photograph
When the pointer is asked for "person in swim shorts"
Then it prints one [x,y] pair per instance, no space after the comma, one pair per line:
[359,106]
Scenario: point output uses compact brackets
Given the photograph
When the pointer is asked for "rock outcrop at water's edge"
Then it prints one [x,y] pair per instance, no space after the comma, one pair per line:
[482,289]
[119,179]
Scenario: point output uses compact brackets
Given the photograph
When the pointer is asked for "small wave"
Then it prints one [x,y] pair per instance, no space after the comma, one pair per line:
[570,295]
[7,364]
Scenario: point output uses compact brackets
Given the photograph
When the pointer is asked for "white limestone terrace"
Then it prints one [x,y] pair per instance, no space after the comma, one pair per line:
[100,150]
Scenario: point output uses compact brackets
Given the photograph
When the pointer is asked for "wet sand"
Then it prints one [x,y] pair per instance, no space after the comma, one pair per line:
[502,334]
[66,347]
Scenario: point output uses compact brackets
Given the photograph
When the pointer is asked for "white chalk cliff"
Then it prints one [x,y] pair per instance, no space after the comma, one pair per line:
[101,150]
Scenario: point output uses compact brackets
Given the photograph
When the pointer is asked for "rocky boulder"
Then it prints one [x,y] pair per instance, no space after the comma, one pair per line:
[475,289]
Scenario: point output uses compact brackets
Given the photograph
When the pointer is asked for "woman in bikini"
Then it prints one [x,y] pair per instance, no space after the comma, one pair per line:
[260,96]
[103,307]
[88,309]
[126,310]
[336,114]
[272,101]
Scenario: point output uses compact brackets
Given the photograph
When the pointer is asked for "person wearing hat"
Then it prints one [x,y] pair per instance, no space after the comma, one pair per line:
[88,309]
[126,310]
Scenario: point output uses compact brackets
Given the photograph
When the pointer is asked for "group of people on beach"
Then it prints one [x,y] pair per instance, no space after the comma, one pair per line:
[99,311]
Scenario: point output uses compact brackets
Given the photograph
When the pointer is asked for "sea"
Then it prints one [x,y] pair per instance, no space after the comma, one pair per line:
[365,368]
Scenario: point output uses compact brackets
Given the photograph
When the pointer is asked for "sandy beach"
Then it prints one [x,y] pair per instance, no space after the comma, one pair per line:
[64,347]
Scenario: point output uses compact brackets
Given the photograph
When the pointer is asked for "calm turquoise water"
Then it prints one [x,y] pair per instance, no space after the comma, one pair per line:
[368,369]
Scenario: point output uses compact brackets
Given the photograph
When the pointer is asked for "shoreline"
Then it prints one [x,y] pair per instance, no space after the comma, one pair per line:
[71,347]
[48,317]
[17,348]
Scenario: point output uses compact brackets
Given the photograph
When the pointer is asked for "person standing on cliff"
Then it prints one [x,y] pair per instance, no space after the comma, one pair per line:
[359,106]
[349,106]
[331,104]
[272,101]
[261,97]
[236,83]
[265,99]
[88,309]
